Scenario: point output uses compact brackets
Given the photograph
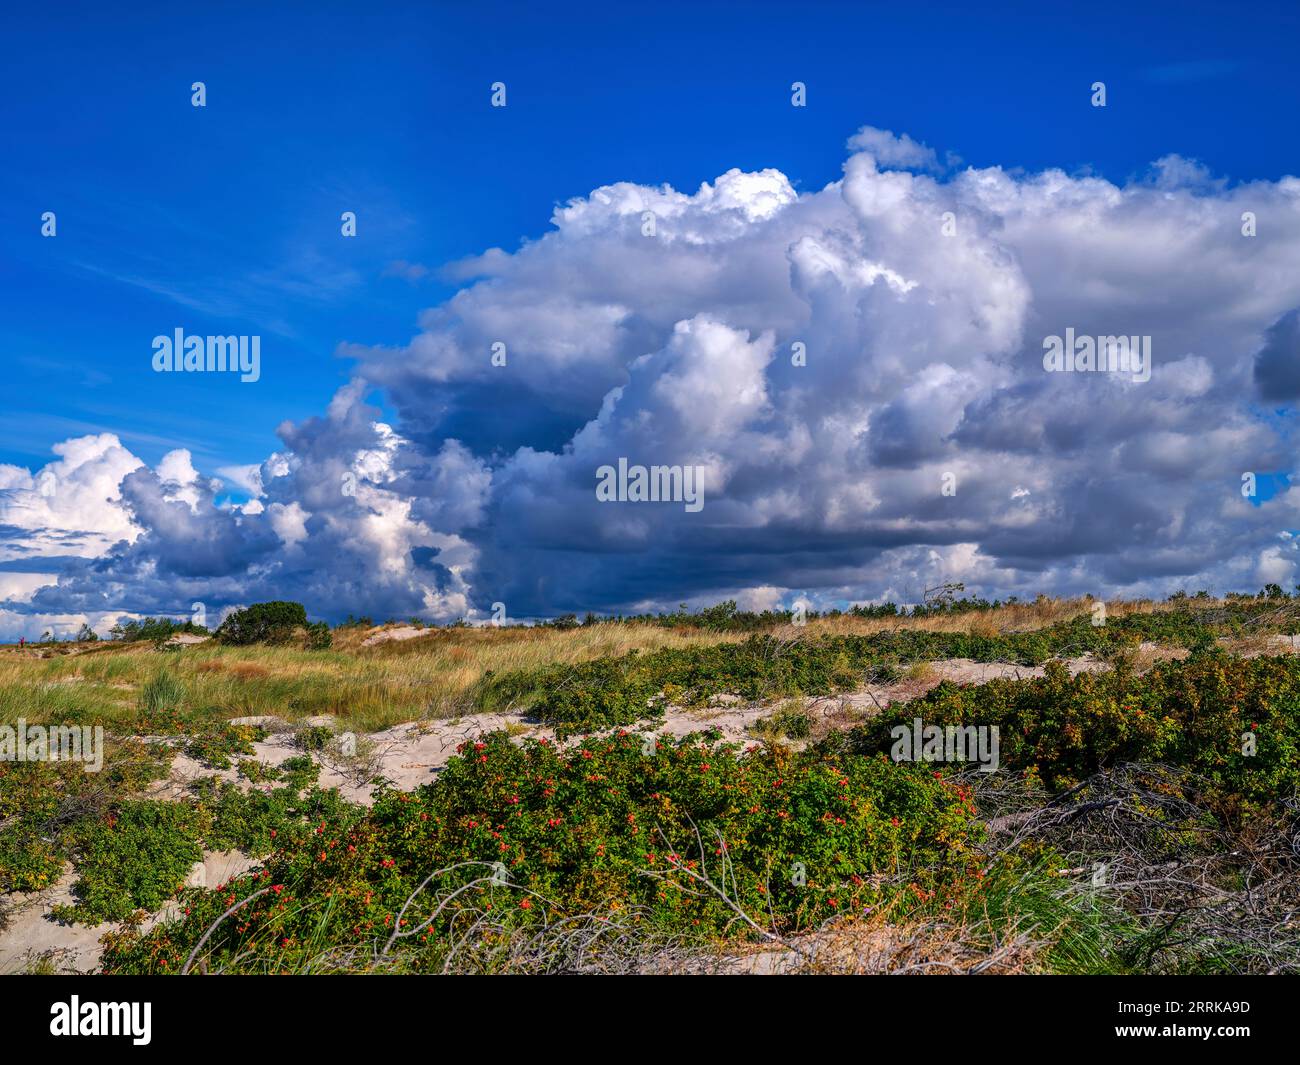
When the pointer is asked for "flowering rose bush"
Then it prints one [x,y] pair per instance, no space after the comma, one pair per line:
[600,828]
[1194,714]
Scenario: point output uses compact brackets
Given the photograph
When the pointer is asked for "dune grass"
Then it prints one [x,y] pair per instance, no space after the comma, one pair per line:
[370,688]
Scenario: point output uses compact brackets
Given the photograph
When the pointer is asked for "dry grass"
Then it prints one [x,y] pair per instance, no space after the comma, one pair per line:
[920,672]
[1251,646]
[876,945]
[1016,617]
[833,715]
[370,688]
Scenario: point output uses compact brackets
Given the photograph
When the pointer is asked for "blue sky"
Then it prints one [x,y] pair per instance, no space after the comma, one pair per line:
[227,216]
[468,484]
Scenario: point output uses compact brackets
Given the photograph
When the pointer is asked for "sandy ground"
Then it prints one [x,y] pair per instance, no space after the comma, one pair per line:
[187,639]
[411,755]
[397,632]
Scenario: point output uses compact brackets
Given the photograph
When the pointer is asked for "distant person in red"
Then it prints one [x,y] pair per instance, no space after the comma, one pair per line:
[22,641]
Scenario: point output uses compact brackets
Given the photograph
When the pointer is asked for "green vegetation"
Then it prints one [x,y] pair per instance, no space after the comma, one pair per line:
[277,622]
[158,630]
[46,806]
[214,747]
[160,702]
[1192,766]
[318,636]
[605,829]
[613,691]
[135,858]
[313,737]
[624,828]
[790,722]
[1197,714]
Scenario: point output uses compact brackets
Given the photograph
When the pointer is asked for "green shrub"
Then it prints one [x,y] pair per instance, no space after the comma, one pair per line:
[134,859]
[793,723]
[319,637]
[254,821]
[214,747]
[31,848]
[44,804]
[313,737]
[600,828]
[299,771]
[788,721]
[274,622]
[1194,714]
[256,772]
